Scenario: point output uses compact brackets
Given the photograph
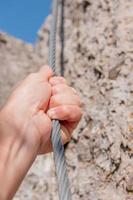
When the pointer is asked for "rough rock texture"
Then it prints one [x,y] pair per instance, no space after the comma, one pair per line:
[17,59]
[98,62]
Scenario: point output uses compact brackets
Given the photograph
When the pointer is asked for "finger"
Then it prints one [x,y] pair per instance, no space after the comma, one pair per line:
[66,112]
[57,80]
[47,147]
[46,73]
[65,137]
[60,88]
[65,99]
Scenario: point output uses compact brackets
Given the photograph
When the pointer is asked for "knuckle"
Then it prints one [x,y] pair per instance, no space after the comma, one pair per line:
[66,110]
[62,80]
[60,87]
[63,86]
[55,100]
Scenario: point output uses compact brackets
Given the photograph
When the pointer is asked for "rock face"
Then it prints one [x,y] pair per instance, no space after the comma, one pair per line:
[98,62]
[17,59]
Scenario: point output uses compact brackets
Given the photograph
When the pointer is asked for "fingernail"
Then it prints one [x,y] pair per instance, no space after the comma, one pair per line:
[51,113]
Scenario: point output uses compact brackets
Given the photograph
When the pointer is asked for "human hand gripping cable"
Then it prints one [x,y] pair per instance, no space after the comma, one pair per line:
[25,124]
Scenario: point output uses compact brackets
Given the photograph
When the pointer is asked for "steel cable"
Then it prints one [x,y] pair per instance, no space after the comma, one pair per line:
[58,148]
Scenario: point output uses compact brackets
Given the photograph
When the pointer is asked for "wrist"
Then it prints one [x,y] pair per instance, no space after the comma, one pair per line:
[15,127]
[15,156]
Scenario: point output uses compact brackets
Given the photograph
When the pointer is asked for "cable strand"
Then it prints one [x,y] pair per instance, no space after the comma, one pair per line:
[58,148]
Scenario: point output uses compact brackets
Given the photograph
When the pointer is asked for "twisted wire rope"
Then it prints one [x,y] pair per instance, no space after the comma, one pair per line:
[58,148]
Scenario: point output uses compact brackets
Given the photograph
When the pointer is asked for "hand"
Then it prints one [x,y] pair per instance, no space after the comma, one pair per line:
[25,124]
[65,105]
[24,112]
[24,129]
[26,109]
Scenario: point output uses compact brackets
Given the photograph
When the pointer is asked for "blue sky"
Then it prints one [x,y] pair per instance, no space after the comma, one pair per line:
[23,18]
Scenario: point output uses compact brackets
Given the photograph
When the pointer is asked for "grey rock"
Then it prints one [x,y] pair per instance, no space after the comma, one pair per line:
[98,63]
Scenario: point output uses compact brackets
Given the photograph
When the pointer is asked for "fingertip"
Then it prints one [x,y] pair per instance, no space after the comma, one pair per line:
[55,113]
[51,113]
[65,135]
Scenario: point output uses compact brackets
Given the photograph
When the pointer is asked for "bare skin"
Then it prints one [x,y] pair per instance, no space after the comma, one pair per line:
[25,124]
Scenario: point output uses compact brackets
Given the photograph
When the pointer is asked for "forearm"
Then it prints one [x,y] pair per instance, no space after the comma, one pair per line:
[16,157]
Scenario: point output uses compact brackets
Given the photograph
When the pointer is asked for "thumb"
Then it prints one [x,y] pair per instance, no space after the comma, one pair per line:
[46,73]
